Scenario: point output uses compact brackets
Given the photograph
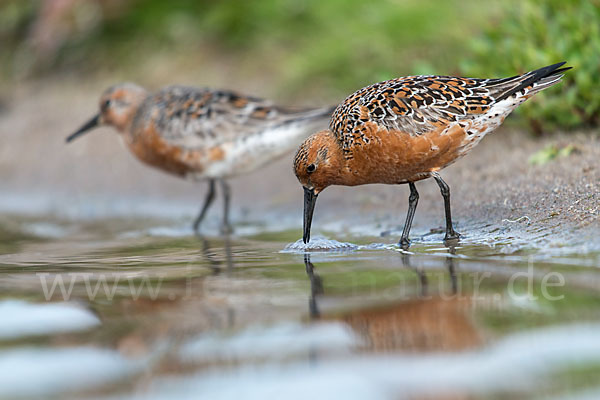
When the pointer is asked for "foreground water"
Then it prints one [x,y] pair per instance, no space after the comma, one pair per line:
[138,309]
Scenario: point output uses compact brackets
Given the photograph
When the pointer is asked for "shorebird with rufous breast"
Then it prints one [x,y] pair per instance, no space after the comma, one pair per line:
[407,129]
[203,134]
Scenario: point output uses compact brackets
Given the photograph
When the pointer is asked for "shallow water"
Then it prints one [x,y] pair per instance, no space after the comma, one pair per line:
[134,308]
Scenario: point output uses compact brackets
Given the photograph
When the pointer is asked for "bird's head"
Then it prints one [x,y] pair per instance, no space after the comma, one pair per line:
[318,163]
[118,105]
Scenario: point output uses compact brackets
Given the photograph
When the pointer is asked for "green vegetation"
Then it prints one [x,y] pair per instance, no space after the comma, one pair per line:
[536,33]
[328,48]
[549,153]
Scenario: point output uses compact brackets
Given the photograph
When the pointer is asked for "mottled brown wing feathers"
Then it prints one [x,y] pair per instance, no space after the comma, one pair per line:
[419,104]
[415,105]
[195,117]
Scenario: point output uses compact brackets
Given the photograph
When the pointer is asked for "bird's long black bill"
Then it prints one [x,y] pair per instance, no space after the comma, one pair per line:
[92,123]
[310,199]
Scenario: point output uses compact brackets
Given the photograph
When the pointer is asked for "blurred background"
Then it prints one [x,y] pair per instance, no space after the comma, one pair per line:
[58,56]
[294,50]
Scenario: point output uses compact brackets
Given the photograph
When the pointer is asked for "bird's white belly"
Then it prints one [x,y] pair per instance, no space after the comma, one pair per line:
[251,152]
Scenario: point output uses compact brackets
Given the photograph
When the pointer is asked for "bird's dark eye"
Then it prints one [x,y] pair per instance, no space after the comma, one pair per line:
[105,104]
[311,168]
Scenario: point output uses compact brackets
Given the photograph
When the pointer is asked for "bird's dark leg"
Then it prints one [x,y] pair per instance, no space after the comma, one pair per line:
[450,232]
[225,227]
[413,199]
[210,196]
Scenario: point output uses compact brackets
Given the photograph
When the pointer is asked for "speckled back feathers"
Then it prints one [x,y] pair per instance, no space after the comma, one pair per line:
[419,104]
[194,117]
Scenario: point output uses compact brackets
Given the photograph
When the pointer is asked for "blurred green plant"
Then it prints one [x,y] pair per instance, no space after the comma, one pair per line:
[535,33]
[309,48]
[329,47]
[550,153]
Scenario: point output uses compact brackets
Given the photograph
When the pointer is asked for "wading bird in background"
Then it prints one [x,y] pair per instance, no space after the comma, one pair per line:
[408,129]
[203,134]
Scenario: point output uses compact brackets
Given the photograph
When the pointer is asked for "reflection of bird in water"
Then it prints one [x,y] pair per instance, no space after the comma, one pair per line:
[202,134]
[423,281]
[427,322]
[316,286]
[408,129]
[451,268]
[215,265]
[197,285]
